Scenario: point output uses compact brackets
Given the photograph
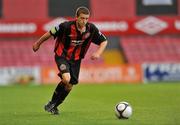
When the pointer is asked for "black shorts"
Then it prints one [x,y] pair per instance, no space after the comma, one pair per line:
[68,66]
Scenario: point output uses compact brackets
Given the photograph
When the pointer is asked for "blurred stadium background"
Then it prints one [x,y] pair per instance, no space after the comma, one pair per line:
[143,40]
[144,48]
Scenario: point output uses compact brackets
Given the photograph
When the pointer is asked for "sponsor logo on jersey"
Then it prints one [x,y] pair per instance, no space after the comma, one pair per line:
[76,42]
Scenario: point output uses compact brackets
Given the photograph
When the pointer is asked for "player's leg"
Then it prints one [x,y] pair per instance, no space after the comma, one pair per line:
[63,88]
[69,73]
[59,95]
[68,80]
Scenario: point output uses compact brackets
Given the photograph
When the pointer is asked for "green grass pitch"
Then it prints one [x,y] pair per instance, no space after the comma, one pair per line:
[92,104]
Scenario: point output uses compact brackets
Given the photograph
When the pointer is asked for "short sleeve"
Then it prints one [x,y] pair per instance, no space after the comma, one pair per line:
[98,37]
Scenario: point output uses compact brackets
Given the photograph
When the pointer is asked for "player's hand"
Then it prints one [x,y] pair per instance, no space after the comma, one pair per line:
[35,47]
[95,56]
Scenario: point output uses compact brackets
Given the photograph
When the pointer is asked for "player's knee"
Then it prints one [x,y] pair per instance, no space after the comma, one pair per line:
[66,78]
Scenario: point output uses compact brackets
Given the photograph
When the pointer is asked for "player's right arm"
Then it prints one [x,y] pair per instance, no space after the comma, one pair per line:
[55,31]
[42,39]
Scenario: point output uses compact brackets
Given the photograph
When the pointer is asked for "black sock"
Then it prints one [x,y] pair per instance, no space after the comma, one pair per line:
[62,97]
[59,89]
[60,94]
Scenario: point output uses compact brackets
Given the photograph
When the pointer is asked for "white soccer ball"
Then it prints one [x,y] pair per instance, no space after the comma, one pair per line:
[123,110]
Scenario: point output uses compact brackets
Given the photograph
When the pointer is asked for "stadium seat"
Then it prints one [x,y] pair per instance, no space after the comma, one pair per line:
[19,53]
[143,49]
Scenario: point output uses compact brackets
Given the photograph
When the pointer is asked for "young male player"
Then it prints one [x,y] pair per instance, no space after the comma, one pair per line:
[73,39]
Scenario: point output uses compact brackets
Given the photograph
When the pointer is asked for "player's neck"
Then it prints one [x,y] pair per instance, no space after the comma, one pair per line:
[81,28]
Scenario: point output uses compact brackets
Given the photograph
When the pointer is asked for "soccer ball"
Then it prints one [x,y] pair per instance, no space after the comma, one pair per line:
[123,110]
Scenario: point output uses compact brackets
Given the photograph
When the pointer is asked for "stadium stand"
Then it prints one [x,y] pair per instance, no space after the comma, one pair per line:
[102,11]
[20,9]
[136,49]
[151,49]
[19,53]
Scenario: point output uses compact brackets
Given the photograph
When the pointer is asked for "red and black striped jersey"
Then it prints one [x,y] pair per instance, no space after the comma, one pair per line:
[71,43]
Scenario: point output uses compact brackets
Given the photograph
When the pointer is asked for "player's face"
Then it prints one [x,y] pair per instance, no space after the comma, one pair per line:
[82,19]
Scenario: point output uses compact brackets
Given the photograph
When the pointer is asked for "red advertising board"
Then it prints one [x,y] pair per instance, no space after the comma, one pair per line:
[111,74]
[101,74]
[150,25]
[49,75]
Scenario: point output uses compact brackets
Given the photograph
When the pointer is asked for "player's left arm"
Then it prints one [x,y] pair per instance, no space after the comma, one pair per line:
[100,40]
[99,51]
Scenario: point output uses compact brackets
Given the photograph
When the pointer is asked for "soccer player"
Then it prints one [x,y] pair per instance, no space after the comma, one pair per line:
[73,39]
